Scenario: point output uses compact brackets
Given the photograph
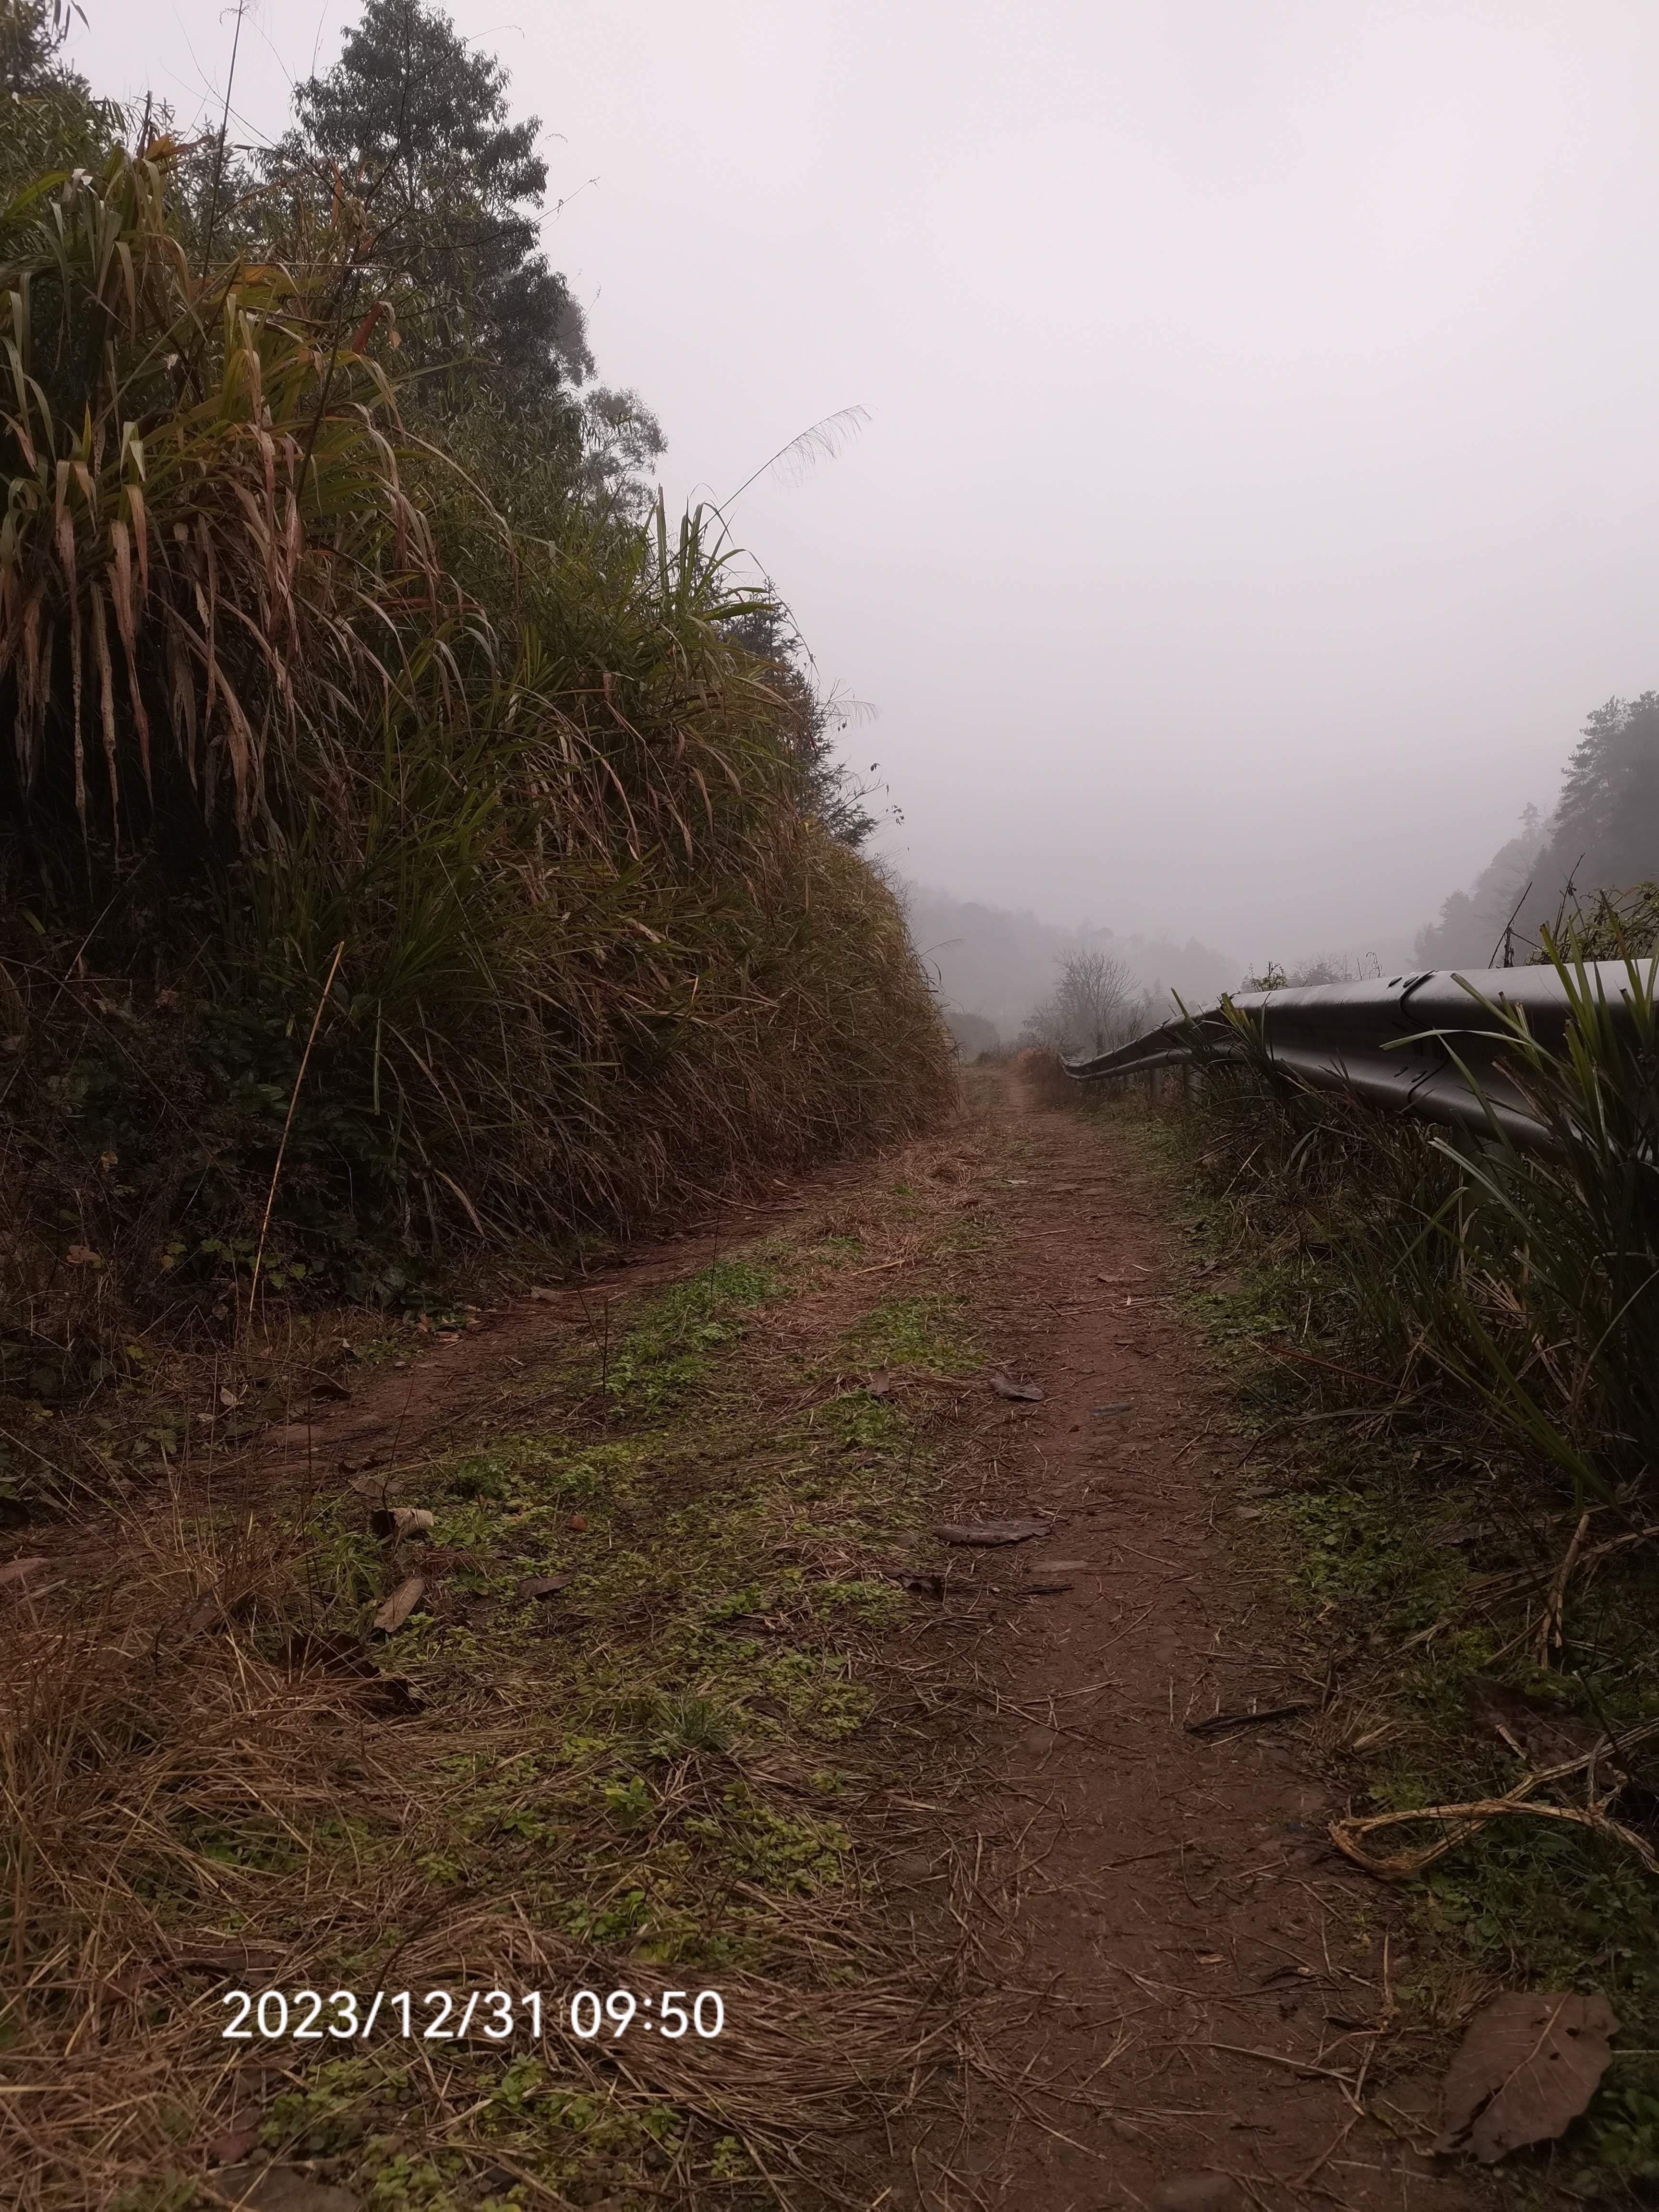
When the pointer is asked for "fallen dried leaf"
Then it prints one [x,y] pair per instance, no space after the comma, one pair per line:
[206,1613]
[986,1534]
[1225,1723]
[929,1583]
[1529,2064]
[1006,1387]
[230,1958]
[346,1656]
[231,2143]
[398,1606]
[401,1521]
[543,1585]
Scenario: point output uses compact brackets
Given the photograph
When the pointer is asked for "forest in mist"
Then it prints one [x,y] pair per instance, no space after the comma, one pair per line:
[1602,840]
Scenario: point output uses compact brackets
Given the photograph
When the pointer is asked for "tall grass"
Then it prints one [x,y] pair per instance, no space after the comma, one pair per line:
[282,683]
[1529,1279]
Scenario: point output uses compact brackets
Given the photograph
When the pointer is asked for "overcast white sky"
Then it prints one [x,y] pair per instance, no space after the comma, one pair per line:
[1261,479]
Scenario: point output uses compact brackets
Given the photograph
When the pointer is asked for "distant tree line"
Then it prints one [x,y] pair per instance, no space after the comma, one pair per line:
[1593,861]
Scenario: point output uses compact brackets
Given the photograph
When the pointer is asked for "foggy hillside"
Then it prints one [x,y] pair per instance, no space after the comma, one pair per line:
[1470,930]
[1603,837]
[999,965]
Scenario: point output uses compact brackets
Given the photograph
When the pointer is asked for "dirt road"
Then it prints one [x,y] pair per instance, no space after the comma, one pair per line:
[697,1689]
[1212,1973]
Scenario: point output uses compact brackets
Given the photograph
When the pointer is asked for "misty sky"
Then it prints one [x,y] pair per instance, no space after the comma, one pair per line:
[1260,480]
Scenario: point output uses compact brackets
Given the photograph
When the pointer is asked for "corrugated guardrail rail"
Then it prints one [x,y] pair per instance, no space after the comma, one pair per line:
[1397,1043]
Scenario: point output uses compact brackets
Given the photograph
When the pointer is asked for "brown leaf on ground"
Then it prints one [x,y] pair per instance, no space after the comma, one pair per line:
[1529,2064]
[987,1534]
[1536,1730]
[374,1691]
[1006,1387]
[399,1522]
[230,1958]
[543,1585]
[398,1606]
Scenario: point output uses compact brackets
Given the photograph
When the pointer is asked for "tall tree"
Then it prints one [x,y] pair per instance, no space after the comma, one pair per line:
[1607,831]
[409,135]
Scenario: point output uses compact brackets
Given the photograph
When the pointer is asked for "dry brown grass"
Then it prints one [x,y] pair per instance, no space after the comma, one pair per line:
[208,1782]
[1040,1073]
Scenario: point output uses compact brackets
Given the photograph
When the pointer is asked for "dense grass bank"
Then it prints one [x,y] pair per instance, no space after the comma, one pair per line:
[380,878]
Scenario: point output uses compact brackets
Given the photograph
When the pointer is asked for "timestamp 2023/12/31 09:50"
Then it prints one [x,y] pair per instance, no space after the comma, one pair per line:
[450,2016]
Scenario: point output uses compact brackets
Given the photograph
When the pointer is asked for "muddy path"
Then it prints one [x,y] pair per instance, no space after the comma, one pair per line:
[1210,1983]
[1214,1984]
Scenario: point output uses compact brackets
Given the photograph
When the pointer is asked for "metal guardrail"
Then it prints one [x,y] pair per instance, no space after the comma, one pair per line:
[1397,1044]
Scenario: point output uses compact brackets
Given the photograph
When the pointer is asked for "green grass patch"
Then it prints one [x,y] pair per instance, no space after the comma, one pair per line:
[929,1331]
[670,1345]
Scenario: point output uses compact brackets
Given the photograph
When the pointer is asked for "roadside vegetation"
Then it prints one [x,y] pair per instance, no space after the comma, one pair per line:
[1444,1359]
[422,858]
[415,844]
